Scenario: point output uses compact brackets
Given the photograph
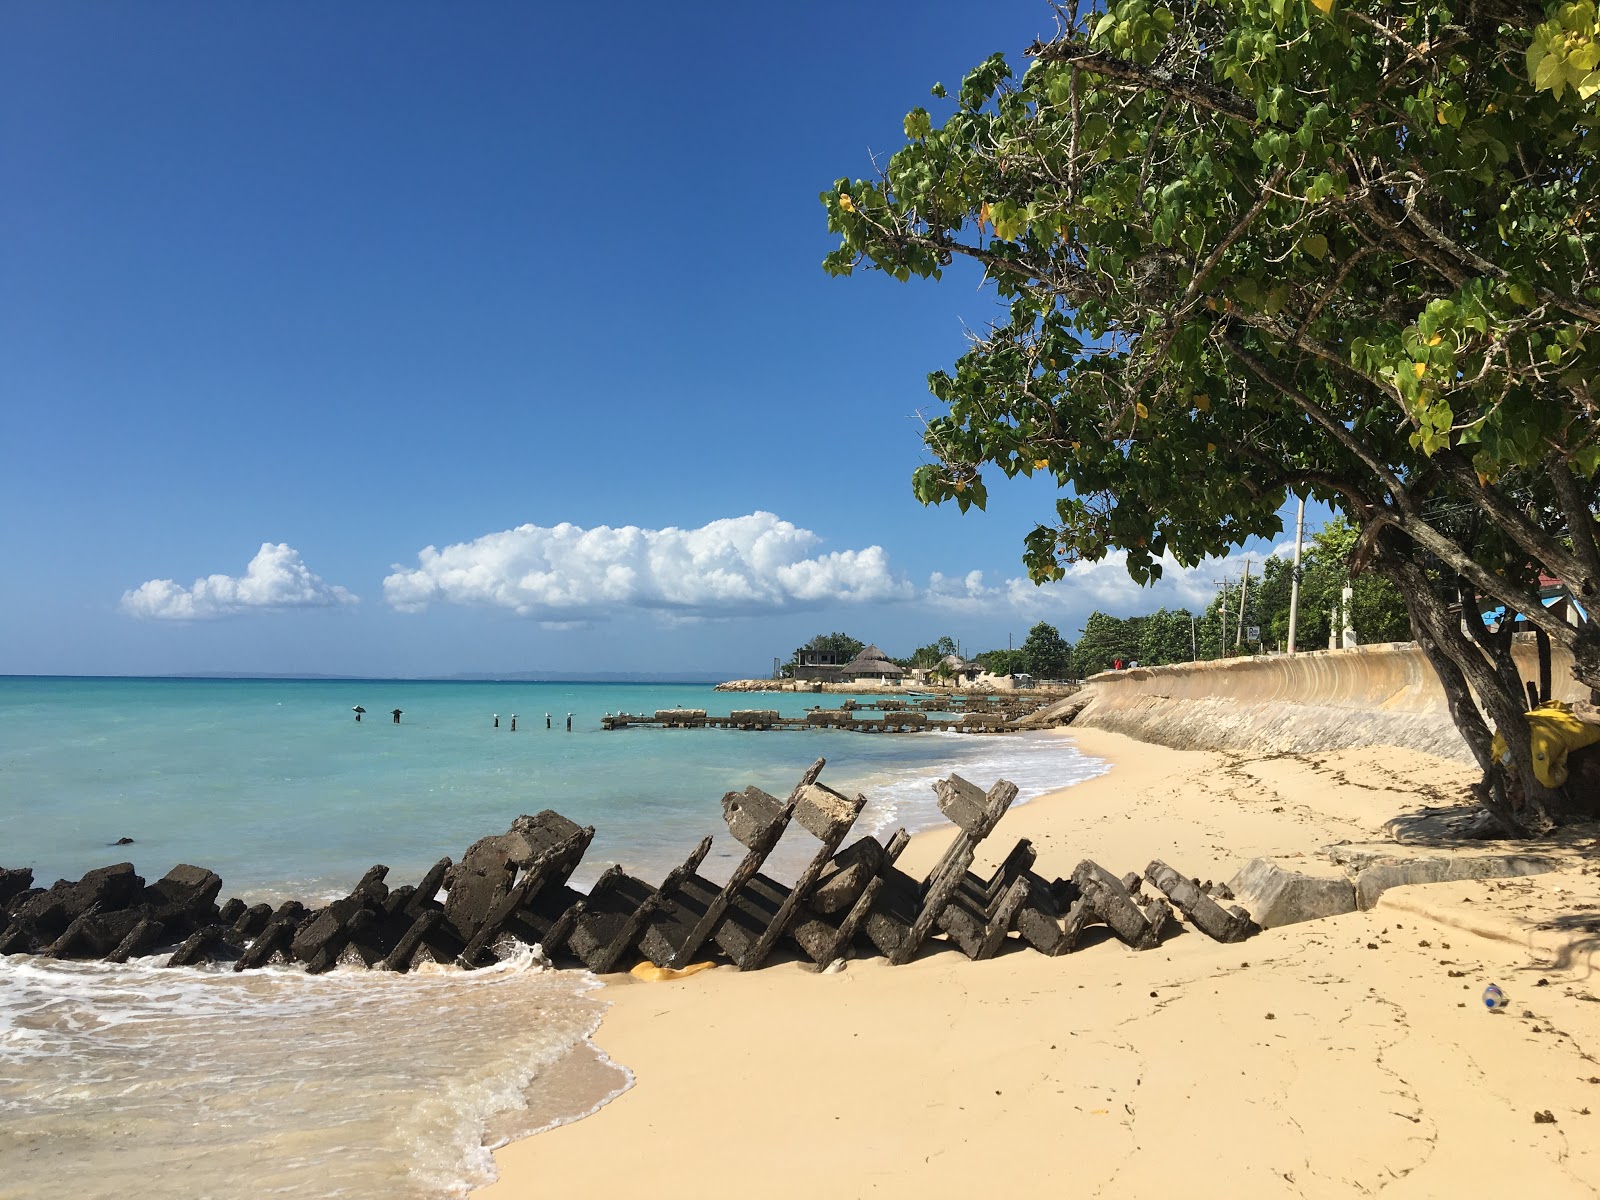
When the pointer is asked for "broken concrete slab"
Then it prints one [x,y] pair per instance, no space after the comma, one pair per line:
[1274,896]
[824,813]
[752,814]
[1378,878]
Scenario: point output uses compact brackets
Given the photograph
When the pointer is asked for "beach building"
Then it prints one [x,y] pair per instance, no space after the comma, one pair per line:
[872,666]
[1553,594]
[951,669]
[820,666]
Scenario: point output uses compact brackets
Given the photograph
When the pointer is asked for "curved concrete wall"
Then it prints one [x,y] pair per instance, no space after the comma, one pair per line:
[1327,699]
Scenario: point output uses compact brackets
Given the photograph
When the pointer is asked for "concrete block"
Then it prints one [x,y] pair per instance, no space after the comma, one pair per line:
[1402,872]
[1273,896]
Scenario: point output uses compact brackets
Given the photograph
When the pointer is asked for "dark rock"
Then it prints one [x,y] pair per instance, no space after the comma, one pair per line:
[275,938]
[477,883]
[185,898]
[750,933]
[544,920]
[980,933]
[893,912]
[14,939]
[13,882]
[96,934]
[754,908]
[207,944]
[440,942]
[327,928]
[427,893]
[232,911]
[123,841]
[47,914]
[142,938]
[368,935]
[250,922]
[372,888]
[683,909]
[405,949]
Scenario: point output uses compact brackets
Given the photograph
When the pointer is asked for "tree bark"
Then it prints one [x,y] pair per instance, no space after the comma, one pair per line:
[1475,688]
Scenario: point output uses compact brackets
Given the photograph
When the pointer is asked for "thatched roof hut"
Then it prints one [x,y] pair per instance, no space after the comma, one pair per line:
[872,663]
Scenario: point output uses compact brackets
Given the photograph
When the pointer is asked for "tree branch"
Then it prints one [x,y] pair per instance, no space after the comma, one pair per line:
[1202,95]
[1341,433]
[1538,544]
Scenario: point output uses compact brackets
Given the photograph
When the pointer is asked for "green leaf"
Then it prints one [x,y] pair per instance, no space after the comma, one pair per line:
[1315,245]
[1550,77]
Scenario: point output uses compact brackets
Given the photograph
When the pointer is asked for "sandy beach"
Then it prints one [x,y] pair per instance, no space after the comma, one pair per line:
[1330,1058]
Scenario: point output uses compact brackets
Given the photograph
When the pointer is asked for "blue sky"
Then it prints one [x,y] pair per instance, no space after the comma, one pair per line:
[291,293]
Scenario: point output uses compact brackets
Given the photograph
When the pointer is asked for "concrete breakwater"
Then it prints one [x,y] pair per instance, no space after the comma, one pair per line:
[966,713]
[512,889]
[986,685]
[1324,700]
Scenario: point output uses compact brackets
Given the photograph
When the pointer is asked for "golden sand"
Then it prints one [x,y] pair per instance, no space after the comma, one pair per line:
[1338,1057]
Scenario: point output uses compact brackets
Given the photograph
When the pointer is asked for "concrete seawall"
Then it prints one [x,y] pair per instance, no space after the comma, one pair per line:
[1324,700]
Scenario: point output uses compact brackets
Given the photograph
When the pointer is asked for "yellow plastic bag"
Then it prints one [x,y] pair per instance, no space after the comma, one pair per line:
[1555,733]
[650,973]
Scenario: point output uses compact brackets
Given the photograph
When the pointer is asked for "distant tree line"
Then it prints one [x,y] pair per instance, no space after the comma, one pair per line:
[1376,614]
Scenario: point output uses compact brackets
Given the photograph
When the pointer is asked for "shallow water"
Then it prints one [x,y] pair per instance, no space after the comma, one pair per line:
[139,1081]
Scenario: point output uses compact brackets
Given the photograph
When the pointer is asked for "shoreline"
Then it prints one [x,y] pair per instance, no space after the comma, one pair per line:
[915,1078]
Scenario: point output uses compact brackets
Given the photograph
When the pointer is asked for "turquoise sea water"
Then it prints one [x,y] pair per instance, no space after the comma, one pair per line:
[382,1086]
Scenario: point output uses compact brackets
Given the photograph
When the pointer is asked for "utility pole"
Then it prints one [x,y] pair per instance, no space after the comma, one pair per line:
[1194,641]
[1294,579]
[1244,593]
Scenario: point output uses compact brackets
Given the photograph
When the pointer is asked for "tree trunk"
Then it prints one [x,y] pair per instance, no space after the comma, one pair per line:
[1475,688]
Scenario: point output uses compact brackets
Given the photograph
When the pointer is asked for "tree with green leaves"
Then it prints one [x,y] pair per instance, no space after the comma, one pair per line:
[1046,654]
[1103,641]
[1249,248]
[1378,611]
[1003,662]
[934,653]
[1164,637]
[841,644]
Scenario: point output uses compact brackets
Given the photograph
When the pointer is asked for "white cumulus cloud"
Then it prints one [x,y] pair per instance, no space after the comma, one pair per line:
[1105,585]
[730,567]
[275,578]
